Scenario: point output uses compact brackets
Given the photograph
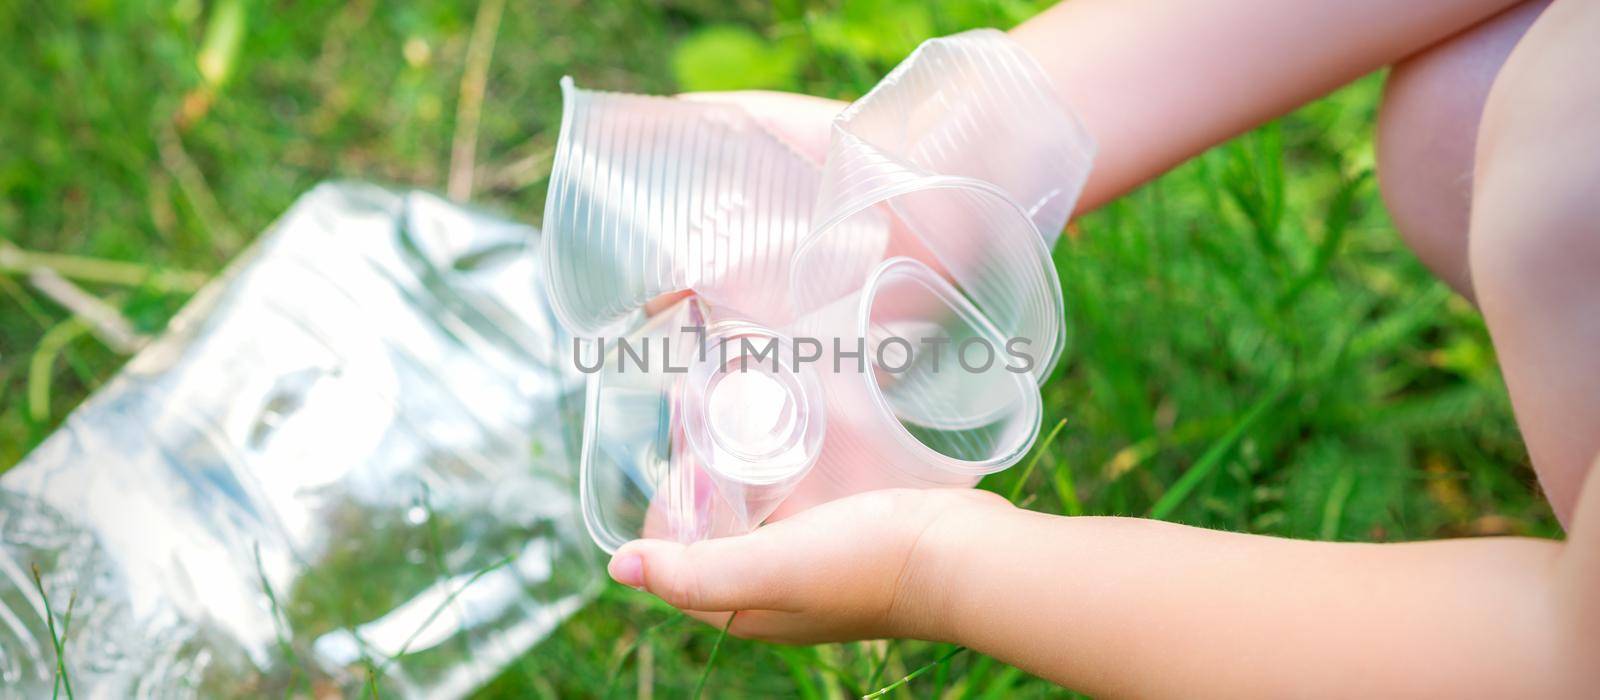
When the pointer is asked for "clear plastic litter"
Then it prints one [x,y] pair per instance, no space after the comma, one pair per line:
[932,217]
[350,462]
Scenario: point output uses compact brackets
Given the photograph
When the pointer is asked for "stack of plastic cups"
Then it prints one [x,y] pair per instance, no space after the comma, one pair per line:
[880,321]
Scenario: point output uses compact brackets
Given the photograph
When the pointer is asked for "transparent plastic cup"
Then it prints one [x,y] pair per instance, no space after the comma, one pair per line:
[653,195]
[973,164]
[919,389]
[706,442]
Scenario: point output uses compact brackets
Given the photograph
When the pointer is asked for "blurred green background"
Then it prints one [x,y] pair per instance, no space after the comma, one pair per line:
[1251,346]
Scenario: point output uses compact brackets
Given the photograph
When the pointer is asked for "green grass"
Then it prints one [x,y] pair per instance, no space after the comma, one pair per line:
[1250,345]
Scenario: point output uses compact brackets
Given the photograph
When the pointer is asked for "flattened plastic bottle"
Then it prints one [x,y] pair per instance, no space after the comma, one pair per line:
[351,460]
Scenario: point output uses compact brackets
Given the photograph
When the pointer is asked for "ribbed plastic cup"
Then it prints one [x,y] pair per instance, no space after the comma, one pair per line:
[920,388]
[653,195]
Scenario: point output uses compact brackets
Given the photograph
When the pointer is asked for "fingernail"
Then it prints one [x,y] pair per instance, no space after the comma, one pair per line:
[628,570]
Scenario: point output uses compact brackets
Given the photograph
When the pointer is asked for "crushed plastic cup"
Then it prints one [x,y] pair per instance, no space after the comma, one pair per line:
[921,389]
[934,212]
[696,427]
[973,164]
[653,195]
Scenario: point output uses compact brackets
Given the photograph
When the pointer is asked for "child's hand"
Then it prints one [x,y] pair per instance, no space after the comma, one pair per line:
[861,567]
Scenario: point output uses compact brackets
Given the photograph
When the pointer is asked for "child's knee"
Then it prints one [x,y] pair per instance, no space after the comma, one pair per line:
[1427,131]
[1533,245]
[1536,208]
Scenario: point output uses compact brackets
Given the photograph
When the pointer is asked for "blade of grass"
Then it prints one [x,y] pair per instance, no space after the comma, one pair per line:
[1062,483]
[1000,687]
[800,666]
[42,363]
[223,238]
[1391,330]
[883,662]
[1255,180]
[46,321]
[941,674]
[1333,509]
[1340,212]
[622,658]
[885,690]
[66,623]
[219,47]
[449,600]
[436,554]
[705,673]
[107,324]
[63,680]
[1027,471]
[1213,456]
[280,629]
[371,686]
[464,146]
[16,261]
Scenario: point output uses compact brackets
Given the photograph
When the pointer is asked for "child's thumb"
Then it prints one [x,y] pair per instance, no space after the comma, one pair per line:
[717,575]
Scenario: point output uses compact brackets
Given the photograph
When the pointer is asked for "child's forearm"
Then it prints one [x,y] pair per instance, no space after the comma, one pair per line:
[1120,606]
[1157,81]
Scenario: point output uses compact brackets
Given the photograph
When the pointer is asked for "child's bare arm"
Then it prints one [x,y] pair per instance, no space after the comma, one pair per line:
[1123,606]
[1126,607]
[1157,81]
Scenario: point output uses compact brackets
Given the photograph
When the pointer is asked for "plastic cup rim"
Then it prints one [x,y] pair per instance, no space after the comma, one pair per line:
[961,305]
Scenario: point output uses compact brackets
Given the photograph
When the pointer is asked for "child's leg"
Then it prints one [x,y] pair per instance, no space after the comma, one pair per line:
[1535,242]
[1427,131]
[1534,264]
